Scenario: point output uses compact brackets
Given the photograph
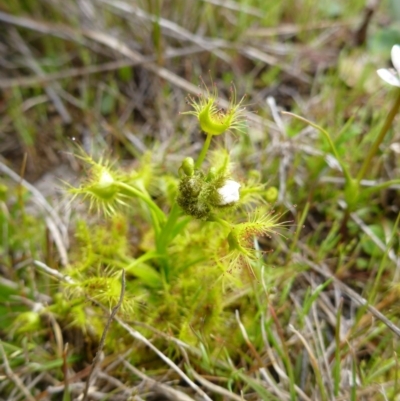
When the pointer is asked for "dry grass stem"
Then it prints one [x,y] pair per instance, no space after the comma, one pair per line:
[19,384]
[56,227]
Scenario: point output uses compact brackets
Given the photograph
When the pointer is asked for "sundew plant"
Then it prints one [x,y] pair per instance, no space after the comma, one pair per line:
[198,232]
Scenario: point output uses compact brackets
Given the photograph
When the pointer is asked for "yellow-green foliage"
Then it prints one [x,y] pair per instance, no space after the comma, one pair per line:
[185,243]
[179,289]
[106,243]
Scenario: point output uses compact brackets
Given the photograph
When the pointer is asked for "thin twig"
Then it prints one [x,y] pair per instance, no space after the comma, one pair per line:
[173,365]
[13,377]
[173,393]
[97,358]
[273,387]
[53,272]
[215,388]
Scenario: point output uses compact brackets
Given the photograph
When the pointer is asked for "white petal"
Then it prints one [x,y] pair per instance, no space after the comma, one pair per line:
[395,147]
[389,77]
[229,192]
[396,57]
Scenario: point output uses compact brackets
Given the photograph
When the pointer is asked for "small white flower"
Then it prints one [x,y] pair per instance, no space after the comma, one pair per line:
[229,192]
[390,75]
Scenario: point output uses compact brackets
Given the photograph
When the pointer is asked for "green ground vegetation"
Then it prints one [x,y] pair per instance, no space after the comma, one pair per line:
[131,269]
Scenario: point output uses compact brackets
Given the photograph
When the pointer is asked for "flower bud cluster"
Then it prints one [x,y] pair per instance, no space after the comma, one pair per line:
[200,194]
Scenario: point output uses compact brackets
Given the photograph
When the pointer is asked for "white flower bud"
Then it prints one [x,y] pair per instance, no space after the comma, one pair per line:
[229,192]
